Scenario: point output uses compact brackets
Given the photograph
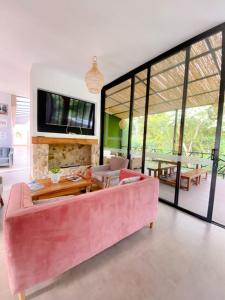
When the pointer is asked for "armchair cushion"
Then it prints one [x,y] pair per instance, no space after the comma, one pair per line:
[101,168]
[118,163]
[4,160]
[103,175]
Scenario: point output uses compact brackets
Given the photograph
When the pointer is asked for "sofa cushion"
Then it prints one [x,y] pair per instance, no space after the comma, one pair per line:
[130,180]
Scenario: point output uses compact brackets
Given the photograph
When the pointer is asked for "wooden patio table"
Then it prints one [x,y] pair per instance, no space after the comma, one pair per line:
[157,171]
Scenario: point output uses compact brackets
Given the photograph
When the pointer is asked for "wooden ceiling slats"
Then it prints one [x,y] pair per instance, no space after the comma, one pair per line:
[166,83]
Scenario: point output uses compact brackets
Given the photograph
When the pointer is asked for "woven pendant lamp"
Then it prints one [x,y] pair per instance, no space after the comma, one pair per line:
[122,124]
[94,78]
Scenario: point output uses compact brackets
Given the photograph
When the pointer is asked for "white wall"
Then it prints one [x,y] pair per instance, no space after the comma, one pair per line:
[53,80]
[6,122]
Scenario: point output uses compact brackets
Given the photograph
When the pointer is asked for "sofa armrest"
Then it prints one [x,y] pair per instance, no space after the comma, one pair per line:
[101,168]
[1,186]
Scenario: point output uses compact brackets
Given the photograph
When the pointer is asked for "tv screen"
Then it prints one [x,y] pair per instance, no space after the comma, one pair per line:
[62,114]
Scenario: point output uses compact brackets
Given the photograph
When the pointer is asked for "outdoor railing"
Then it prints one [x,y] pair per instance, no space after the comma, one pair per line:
[195,154]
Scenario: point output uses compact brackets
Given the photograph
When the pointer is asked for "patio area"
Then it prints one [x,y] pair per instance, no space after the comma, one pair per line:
[196,199]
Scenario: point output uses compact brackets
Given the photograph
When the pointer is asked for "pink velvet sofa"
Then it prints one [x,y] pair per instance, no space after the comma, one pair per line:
[43,241]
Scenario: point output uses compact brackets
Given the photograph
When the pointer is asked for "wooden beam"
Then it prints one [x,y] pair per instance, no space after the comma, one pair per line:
[170,101]
[154,91]
[170,88]
[212,54]
[170,68]
[51,140]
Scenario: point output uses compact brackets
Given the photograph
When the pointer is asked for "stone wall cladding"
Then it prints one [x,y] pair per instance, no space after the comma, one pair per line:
[47,156]
[40,160]
[62,155]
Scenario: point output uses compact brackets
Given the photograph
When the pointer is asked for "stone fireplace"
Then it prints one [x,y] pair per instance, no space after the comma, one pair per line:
[64,153]
[69,155]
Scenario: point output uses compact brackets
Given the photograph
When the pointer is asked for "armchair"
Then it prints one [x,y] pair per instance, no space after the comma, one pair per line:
[107,175]
[1,191]
[6,157]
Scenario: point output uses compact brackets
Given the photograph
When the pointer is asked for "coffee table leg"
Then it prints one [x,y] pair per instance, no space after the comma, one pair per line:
[188,184]
[88,189]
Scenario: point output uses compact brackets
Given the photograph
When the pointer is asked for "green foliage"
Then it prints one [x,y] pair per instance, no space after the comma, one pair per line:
[160,131]
[55,170]
[112,132]
[199,131]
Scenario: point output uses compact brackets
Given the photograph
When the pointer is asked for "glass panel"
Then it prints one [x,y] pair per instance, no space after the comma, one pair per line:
[138,120]
[165,103]
[116,120]
[200,124]
[219,203]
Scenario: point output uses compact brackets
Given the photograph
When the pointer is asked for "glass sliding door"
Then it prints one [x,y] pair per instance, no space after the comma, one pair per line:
[140,85]
[163,128]
[116,120]
[172,111]
[219,200]
[200,124]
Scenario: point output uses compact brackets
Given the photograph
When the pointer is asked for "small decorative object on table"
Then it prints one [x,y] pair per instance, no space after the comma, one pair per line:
[88,173]
[73,178]
[35,186]
[85,172]
[55,174]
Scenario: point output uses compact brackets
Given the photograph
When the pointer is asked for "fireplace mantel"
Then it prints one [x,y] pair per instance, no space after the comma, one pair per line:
[54,140]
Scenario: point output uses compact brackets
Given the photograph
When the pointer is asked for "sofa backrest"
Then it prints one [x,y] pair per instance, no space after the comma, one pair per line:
[4,151]
[118,163]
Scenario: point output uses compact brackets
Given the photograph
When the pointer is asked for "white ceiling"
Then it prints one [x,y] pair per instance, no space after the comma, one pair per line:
[67,33]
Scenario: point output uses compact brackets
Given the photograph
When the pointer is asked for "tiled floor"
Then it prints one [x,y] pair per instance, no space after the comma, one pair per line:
[196,199]
[180,258]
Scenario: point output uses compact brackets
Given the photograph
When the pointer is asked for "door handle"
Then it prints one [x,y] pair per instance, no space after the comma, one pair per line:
[213,153]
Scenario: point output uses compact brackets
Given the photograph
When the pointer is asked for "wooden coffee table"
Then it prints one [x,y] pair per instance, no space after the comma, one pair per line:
[63,188]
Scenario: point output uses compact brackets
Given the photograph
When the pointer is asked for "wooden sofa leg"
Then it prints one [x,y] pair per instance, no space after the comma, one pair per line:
[1,201]
[151,225]
[21,295]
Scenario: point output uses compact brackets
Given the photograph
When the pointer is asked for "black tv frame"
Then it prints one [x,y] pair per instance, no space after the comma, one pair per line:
[41,122]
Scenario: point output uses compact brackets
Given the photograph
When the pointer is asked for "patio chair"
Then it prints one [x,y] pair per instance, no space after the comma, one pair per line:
[102,175]
[136,163]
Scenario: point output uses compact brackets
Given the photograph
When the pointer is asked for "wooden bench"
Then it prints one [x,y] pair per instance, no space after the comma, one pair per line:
[193,177]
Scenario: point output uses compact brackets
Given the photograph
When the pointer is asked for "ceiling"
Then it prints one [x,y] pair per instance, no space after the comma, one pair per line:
[66,34]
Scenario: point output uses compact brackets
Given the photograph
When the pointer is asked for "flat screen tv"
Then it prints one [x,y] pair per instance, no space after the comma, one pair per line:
[62,114]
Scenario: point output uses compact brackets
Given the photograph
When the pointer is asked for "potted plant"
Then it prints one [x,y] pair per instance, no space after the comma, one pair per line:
[55,174]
